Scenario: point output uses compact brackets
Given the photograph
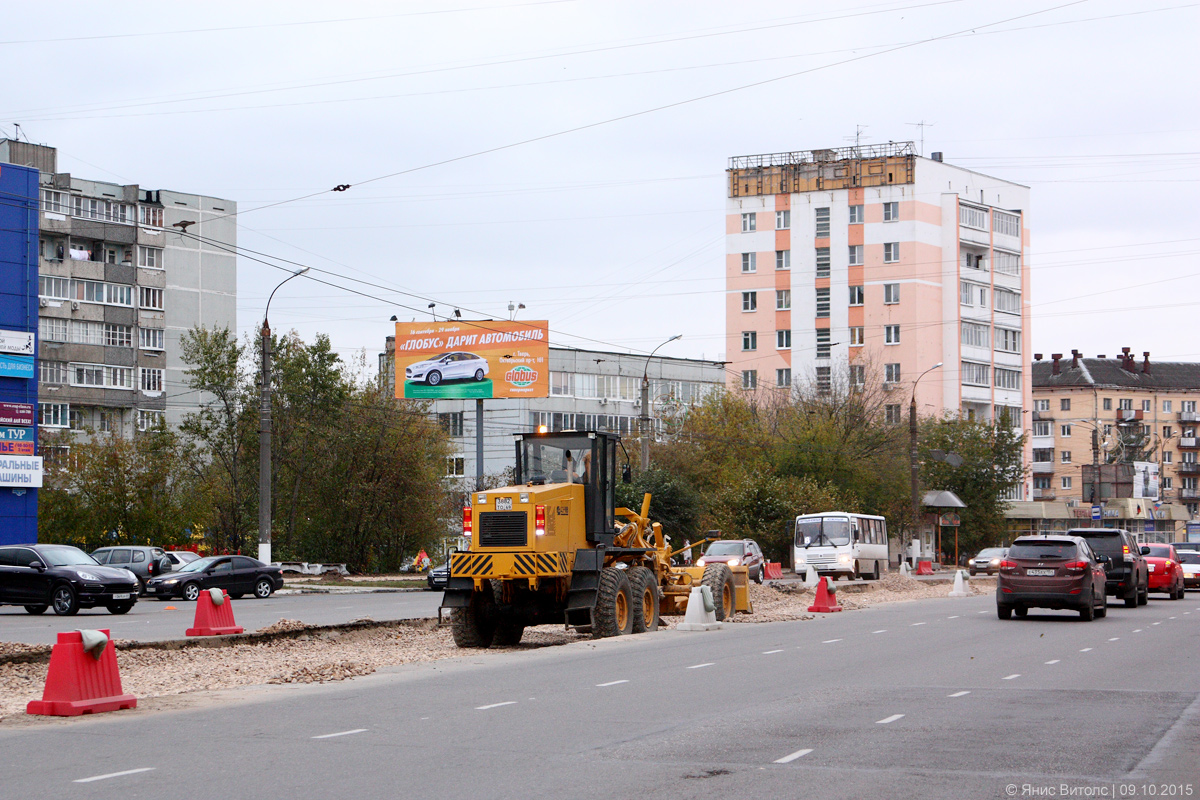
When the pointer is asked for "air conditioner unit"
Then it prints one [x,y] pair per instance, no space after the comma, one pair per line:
[74,305]
[603,401]
[43,302]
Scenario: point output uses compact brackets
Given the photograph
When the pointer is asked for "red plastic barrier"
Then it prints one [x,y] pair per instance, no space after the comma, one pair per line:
[79,683]
[773,570]
[924,567]
[826,601]
[213,620]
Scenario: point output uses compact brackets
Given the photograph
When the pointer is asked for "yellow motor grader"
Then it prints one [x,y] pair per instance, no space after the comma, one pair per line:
[553,548]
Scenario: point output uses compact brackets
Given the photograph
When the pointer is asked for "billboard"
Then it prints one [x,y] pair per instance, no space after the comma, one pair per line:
[16,414]
[480,359]
[1145,480]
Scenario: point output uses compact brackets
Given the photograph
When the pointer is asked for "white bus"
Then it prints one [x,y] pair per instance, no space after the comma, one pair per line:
[839,544]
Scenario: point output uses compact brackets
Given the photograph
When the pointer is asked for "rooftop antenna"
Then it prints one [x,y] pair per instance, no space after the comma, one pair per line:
[921,126]
[17,135]
[858,132]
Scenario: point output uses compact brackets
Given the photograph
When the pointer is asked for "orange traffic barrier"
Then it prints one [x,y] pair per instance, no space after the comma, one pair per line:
[214,617]
[924,567]
[774,570]
[82,679]
[826,601]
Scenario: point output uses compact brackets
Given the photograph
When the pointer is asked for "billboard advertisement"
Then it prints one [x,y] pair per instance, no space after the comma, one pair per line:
[1145,480]
[481,359]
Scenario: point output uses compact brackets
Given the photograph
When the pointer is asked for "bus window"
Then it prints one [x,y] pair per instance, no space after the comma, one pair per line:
[836,530]
[808,531]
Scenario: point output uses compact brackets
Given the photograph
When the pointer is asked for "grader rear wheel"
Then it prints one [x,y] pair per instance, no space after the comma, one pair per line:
[719,579]
[475,625]
[613,615]
[645,599]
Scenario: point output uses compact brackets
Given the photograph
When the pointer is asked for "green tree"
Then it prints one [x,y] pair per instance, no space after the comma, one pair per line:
[674,503]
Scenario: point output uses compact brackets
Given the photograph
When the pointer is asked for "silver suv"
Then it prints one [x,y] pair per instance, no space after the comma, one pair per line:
[144,562]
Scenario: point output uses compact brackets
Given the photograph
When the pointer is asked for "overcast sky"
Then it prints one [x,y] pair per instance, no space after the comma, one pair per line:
[615,232]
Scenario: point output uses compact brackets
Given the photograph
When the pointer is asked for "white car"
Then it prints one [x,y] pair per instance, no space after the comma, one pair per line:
[448,367]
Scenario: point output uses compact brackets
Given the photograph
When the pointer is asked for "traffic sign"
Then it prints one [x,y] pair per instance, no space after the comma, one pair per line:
[1097,513]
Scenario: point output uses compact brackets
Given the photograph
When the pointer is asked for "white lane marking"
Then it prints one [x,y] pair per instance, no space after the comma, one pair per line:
[700,666]
[1156,623]
[611,683]
[496,705]
[108,775]
[954,617]
[1170,618]
[880,631]
[341,733]
[1115,639]
[915,624]
[1085,650]
[1137,630]
[1054,661]
[985,611]
[793,756]
[771,652]
[958,694]
[1011,677]
[830,641]
[424,718]
[886,720]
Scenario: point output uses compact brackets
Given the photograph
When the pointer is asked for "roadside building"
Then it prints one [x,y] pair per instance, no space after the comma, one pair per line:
[123,273]
[872,263]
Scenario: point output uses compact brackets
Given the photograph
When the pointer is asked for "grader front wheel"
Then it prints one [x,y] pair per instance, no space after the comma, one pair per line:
[613,615]
[645,599]
[719,578]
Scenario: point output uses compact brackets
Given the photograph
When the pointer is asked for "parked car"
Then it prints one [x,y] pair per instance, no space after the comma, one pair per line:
[1165,572]
[41,576]
[734,552]
[144,562]
[438,577]
[1059,572]
[181,557]
[448,367]
[238,575]
[1128,573]
[988,560]
[1189,562]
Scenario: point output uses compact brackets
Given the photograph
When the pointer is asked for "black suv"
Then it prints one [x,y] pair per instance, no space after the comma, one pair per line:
[41,576]
[1128,575]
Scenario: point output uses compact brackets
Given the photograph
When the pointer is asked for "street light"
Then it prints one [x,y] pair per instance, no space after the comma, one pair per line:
[646,403]
[912,441]
[264,432]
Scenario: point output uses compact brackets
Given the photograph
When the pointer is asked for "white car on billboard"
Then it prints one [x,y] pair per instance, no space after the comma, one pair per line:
[448,367]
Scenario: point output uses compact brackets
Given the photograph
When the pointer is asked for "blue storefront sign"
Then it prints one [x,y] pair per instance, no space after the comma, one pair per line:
[16,366]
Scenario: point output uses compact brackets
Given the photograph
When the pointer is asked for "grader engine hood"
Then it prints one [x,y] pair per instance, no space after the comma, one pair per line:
[536,517]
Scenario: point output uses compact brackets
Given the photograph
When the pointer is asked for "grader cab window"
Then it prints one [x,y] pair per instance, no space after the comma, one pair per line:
[565,459]
[587,459]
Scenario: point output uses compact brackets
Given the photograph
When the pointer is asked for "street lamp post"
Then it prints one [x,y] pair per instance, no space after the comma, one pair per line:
[264,433]
[646,404]
[914,470]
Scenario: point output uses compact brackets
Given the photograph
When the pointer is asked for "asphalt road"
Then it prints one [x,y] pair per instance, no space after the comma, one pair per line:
[151,619]
[929,699]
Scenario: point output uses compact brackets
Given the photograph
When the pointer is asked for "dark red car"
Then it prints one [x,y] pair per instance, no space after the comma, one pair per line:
[733,552]
[1059,572]
[1166,573]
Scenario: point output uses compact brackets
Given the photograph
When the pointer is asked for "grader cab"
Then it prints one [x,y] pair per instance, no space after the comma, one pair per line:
[553,548]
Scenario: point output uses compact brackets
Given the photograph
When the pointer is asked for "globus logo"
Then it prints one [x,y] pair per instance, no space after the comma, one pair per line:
[521,376]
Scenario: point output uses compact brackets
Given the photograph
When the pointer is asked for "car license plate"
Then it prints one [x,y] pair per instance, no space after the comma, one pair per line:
[1043,572]
[122,596]
[504,504]
[1151,566]
[151,590]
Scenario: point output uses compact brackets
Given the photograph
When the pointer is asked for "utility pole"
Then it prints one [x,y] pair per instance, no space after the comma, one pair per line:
[913,466]
[645,419]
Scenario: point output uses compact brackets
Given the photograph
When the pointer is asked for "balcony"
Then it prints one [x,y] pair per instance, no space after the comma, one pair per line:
[1189,416]
[1189,494]
[1047,467]
[1188,441]
[1043,494]
[1043,416]
[1189,468]
[1129,414]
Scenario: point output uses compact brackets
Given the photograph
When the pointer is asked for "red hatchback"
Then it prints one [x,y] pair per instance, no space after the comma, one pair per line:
[1166,573]
[1051,572]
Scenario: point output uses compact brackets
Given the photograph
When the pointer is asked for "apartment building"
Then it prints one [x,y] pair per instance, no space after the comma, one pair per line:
[874,264]
[589,390]
[1103,428]
[122,275]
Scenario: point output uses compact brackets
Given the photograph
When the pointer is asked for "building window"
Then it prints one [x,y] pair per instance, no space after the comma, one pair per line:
[823,302]
[1008,378]
[975,374]
[783,377]
[52,330]
[783,299]
[975,335]
[749,262]
[1041,481]
[87,332]
[749,340]
[750,379]
[891,212]
[856,336]
[749,223]
[822,220]
[149,420]
[151,299]
[966,294]
[749,301]
[1167,456]
[1008,302]
[856,255]
[1168,431]
[1166,483]
[152,380]
[891,252]
[783,220]
[783,259]
[1125,404]
[891,294]
[1006,263]
[891,334]
[1043,455]
[1066,456]
[562,383]
[150,215]
[54,415]
[1041,405]
[823,343]
[452,422]
[1146,405]
[113,294]
[150,338]
[1064,430]
[856,215]
[1041,429]
[1166,405]
[971,217]
[783,339]
[52,372]
[858,376]
[973,261]
[891,373]
[1007,224]
[891,413]
[1108,404]
[150,257]
[824,380]
[1066,482]
[1064,404]
[118,335]
[822,262]
[1008,341]
[1187,406]
[54,288]
[856,295]
[456,466]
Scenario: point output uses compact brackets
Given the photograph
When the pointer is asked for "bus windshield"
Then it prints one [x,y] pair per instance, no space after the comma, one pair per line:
[818,531]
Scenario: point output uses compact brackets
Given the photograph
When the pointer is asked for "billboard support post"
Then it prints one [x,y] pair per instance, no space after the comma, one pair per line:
[479,444]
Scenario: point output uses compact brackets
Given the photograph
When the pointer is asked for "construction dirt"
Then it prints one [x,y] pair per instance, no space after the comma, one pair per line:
[291,652]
